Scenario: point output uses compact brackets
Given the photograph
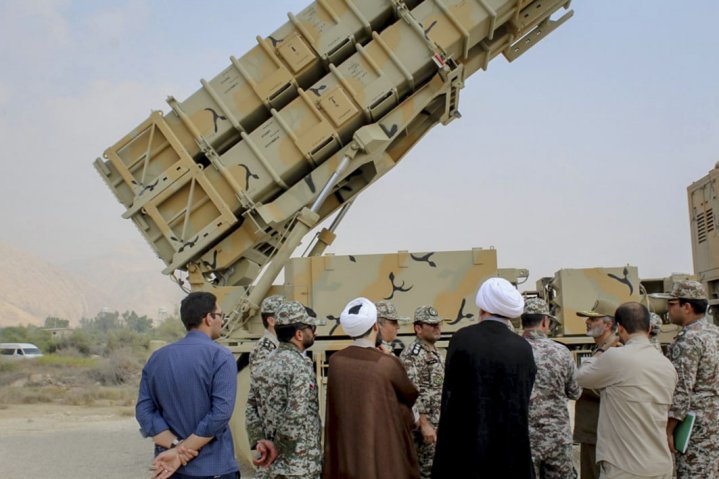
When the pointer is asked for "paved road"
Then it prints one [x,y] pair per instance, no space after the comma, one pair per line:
[61,446]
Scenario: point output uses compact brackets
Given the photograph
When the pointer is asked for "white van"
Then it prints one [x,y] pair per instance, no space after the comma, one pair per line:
[19,350]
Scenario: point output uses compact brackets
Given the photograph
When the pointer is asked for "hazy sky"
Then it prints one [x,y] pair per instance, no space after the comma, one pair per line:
[576,155]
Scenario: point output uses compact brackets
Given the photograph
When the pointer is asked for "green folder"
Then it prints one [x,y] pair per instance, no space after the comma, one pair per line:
[683,432]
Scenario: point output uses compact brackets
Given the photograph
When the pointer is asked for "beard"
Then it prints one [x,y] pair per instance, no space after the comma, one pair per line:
[596,331]
[307,340]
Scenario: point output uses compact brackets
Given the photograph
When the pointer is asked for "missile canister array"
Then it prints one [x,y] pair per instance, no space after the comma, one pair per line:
[227,183]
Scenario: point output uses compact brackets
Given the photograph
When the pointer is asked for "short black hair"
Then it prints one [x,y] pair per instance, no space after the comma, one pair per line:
[698,305]
[264,317]
[196,306]
[530,320]
[633,317]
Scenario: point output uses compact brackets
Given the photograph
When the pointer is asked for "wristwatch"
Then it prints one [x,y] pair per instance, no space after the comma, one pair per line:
[175,442]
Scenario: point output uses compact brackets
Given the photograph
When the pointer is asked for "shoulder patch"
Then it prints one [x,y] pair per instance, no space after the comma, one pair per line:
[676,352]
[416,349]
[266,343]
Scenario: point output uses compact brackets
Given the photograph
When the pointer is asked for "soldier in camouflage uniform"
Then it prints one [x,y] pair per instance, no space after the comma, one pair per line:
[555,383]
[425,368]
[268,342]
[655,327]
[282,414]
[388,321]
[695,355]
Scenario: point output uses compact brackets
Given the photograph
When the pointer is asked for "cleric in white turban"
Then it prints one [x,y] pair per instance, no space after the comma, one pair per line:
[490,371]
[499,297]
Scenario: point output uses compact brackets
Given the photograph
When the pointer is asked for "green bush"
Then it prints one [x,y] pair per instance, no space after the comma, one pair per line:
[60,361]
[80,341]
[8,365]
[170,330]
[122,367]
[26,334]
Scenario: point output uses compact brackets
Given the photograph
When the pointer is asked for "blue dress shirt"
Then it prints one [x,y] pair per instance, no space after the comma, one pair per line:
[189,387]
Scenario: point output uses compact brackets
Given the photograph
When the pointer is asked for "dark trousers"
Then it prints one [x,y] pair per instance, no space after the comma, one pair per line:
[588,460]
[231,475]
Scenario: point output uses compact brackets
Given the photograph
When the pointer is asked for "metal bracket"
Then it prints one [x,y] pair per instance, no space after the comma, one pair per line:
[546,27]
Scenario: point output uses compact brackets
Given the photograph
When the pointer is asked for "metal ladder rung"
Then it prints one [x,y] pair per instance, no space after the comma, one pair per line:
[392,56]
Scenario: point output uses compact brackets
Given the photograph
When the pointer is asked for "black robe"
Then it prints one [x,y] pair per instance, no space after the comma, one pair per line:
[483,428]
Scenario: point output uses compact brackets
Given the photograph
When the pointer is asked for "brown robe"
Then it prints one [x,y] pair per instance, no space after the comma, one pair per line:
[368,428]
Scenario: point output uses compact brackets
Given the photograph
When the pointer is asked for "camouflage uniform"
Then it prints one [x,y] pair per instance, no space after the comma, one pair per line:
[655,327]
[283,406]
[268,342]
[549,433]
[695,355]
[425,368]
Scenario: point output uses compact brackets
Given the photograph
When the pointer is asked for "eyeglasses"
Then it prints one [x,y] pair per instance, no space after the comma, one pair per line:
[312,327]
[222,316]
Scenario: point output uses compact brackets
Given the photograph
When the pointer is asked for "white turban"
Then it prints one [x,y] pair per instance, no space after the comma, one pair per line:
[498,296]
[358,316]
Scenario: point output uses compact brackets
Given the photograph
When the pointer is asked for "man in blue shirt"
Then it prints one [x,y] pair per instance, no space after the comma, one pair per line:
[187,395]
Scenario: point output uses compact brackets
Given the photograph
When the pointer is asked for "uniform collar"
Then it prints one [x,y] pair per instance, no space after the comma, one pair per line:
[195,334]
[698,324]
[271,337]
[290,347]
[637,338]
[535,334]
[425,345]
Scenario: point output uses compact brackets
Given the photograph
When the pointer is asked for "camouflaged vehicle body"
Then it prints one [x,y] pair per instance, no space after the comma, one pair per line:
[572,290]
[703,211]
[446,279]
[226,185]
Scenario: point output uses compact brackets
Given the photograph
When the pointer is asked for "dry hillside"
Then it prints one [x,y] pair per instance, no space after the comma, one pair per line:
[32,289]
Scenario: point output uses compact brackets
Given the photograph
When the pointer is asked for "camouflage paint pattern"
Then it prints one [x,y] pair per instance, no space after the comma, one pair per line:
[703,211]
[446,280]
[573,290]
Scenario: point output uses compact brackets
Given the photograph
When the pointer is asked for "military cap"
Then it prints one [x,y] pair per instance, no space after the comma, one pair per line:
[655,324]
[291,312]
[537,306]
[687,289]
[313,314]
[387,310]
[426,314]
[602,307]
[271,303]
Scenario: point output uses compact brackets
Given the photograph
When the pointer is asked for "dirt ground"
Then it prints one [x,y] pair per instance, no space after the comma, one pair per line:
[64,442]
[75,442]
